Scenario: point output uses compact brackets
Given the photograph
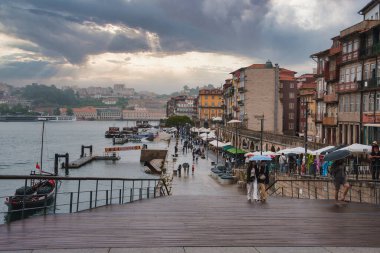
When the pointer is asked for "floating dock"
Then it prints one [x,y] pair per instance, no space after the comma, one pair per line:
[87,159]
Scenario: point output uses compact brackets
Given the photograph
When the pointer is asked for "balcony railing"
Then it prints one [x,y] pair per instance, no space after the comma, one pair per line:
[352,56]
[332,75]
[242,89]
[372,83]
[347,87]
[330,121]
[240,102]
[330,98]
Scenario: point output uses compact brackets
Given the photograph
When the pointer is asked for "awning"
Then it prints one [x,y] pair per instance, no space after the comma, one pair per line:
[236,151]
[372,125]
[225,148]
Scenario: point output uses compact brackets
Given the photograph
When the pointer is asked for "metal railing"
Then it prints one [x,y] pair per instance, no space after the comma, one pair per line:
[75,194]
[361,191]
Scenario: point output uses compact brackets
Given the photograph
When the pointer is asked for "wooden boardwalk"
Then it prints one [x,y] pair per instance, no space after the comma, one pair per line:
[201,213]
[185,221]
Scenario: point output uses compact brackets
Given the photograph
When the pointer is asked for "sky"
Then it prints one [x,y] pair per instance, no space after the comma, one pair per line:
[162,45]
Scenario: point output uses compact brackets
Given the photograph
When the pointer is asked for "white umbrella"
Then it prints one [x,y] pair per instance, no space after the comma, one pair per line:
[217,119]
[297,150]
[319,151]
[233,121]
[358,148]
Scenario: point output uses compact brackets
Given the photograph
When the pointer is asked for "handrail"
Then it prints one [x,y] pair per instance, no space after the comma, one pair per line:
[72,178]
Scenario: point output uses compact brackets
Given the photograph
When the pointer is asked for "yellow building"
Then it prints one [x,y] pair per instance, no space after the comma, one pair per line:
[210,104]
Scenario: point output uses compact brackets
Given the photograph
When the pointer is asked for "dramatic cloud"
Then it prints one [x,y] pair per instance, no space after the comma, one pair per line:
[76,40]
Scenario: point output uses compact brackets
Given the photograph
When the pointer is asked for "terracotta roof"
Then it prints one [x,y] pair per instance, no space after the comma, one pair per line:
[324,52]
[84,109]
[257,66]
[287,78]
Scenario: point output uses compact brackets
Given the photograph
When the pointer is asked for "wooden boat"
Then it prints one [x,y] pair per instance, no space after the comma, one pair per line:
[36,196]
[113,132]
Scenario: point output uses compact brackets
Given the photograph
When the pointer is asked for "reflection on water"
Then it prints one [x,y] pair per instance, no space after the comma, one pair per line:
[21,144]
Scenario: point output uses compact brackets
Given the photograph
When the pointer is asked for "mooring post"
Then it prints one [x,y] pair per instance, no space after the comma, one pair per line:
[67,164]
[82,151]
[56,164]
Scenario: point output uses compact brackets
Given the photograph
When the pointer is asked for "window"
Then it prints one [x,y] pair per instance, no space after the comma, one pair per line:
[212,104]
[344,47]
[366,72]
[359,73]
[341,104]
[373,71]
[347,78]
[206,97]
[291,105]
[353,72]
[291,94]
[371,102]
[357,104]
[377,102]
[365,103]
[376,15]
[352,103]
[342,76]
[291,85]
[349,47]
[356,44]
[369,40]
[291,115]
[291,126]
[212,97]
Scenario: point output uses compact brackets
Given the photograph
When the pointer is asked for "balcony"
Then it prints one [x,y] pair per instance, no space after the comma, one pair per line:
[347,87]
[335,50]
[331,98]
[352,56]
[373,83]
[240,102]
[330,121]
[242,89]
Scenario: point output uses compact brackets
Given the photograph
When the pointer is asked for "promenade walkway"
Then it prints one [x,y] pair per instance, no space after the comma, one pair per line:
[202,217]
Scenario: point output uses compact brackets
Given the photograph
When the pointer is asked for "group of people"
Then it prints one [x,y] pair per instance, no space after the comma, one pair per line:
[257,179]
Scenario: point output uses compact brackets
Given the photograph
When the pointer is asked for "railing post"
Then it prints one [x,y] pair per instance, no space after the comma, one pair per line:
[360,195]
[45,204]
[111,192]
[23,199]
[133,189]
[282,190]
[90,199]
[119,196]
[308,188]
[96,192]
[78,195]
[106,197]
[291,186]
[147,193]
[140,194]
[71,201]
[298,192]
[328,191]
[131,195]
[316,192]
[122,200]
[55,195]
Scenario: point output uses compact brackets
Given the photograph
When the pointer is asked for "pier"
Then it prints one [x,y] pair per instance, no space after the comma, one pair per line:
[87,158]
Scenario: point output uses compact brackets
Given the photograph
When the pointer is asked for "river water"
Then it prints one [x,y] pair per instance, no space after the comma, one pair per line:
[20,146]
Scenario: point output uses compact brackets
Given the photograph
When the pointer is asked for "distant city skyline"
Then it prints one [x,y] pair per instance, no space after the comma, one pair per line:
[161,45]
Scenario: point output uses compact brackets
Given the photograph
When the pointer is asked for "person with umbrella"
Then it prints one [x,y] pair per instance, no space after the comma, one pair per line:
[262,175]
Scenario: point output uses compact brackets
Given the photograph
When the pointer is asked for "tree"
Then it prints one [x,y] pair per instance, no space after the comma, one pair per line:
[69,112]
[176,121]
[57,111]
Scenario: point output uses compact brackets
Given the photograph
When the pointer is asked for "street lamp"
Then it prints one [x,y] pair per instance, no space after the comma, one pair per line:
[261,118]
[217,120]
[306,129]
[235,121]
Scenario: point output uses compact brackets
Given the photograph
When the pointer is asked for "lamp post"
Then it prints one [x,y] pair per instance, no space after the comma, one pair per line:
[306,129]
[235,121]
[217,120]
[261,118]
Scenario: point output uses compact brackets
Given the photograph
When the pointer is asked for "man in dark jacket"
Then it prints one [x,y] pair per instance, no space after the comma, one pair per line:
[262,175]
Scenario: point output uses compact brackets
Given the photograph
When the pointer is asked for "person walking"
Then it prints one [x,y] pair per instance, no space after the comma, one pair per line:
[282,162]
[251,182]
[192,169]
[375,161]
[179,170]
[340,179]
[262,175]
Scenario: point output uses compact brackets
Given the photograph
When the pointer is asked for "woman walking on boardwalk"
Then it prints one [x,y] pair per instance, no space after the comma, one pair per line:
[251,182]
[340,179]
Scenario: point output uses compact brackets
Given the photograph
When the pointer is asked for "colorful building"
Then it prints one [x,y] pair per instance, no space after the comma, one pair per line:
[210,103]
